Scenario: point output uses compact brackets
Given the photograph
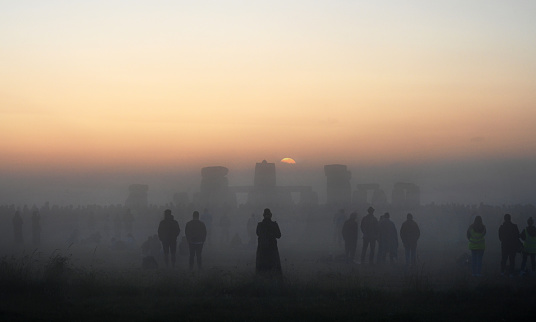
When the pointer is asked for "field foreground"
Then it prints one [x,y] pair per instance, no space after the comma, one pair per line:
[316,286]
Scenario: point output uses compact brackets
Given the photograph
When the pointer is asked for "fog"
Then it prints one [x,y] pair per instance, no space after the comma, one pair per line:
[495,182]
[84,226]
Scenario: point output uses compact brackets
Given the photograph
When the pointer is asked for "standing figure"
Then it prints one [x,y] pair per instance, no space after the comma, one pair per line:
[477,244]
[36,228]
[528,235]
[17,228]
[349,234]
[409,234]
[510,244]
[369,228]
[387,239]
[267,261]
[196,234]
[168,231]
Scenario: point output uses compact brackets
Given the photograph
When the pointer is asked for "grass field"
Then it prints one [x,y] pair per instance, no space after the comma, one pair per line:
[84,284]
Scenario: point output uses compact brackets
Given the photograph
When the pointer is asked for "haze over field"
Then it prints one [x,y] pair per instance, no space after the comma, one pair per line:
[97,95]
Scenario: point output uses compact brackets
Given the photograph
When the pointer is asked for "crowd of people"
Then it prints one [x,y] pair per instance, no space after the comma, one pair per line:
[380,237]
[384,233]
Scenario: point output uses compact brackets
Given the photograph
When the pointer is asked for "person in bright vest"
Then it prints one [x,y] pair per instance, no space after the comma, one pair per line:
[528,235]
[477,244]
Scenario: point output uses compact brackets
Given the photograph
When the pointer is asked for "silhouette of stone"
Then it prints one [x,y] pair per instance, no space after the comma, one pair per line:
[265,191]
[369,194]
[264,176]
[339,191]
[215,187]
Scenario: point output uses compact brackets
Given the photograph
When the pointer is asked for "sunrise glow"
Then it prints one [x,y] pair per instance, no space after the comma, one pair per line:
[105,86]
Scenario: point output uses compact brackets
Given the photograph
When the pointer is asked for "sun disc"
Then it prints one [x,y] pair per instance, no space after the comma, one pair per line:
[288,160]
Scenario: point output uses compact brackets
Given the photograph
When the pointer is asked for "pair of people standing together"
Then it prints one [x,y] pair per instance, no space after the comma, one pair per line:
[196,234]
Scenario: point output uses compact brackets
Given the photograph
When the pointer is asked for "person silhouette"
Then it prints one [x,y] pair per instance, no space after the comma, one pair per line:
[477,244]
[196,234]
[528,235]
[510,245]
[387,239]
[168,231]
[267,257]
[369,228]
[409,234]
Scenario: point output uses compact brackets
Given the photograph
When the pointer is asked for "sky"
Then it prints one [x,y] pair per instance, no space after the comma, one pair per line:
[438,92]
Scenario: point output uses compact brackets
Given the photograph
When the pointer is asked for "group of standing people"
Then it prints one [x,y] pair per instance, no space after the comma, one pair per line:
[382,231]
[512,242]
[267,231]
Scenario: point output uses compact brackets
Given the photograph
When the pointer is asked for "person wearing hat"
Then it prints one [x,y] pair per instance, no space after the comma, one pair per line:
[510,244]
[267,257]
[528,235]
[369,228]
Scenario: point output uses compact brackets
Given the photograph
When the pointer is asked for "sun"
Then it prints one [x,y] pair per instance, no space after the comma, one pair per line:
[288,161]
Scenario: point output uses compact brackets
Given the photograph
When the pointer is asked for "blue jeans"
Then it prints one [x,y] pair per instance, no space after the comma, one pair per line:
[476,261]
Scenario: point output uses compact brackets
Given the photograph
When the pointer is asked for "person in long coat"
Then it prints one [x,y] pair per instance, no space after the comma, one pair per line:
[267,261]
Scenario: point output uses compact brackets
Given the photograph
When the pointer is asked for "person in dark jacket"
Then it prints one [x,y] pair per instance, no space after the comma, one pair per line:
[267,261]
[196,234]
[528,235]
[387,239]
[409,234]
[349,234]
[477,244]
[510,244]
[168,231]
[369,228]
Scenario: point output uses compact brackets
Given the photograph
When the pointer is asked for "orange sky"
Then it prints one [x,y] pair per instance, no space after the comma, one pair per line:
[150,86]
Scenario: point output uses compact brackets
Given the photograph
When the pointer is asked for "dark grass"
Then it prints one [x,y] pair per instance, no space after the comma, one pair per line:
[54,288]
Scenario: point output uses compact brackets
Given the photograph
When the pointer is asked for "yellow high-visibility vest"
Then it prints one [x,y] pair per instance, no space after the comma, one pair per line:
[476,240]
